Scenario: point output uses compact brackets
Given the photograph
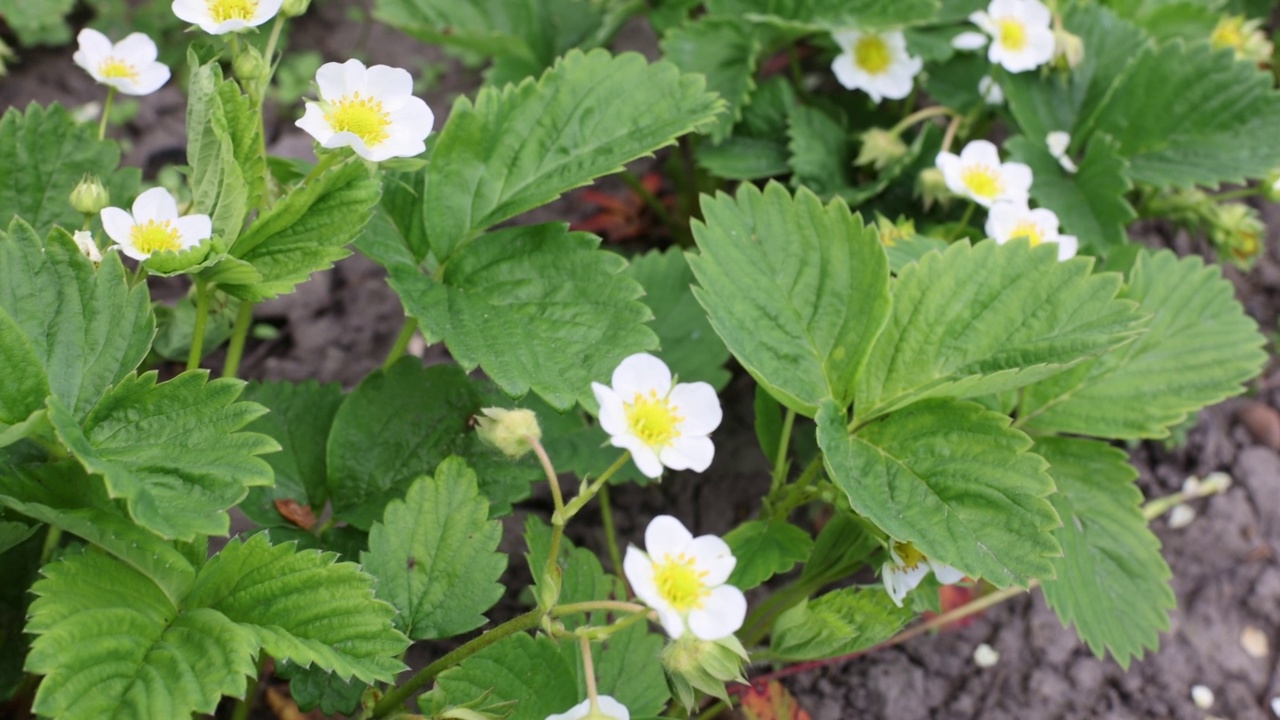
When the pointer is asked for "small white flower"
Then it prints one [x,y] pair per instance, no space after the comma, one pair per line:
[154,226]
[1058,142]
[978,174]
[84,241]
[682,577]
[1021,33]
[906,567]
[985,656]
[219,17]
[610,707]
[1202,696]
[876,63]
[658,421]
[990,90]
[1181,516]
[371,110]
[128,66]
[1013,220]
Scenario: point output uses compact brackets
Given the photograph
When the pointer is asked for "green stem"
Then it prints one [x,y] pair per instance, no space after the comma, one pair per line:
[272,42]
[758,623]
[139,275]
[264,83]
[919,115]
[589,672]
[51,540]
[239,333]
[784,445]
[1236,194]
[611,534]
[650,200]
[557,518]
[585,496]
[402,342]
[323,164]
[202,321]
[795,494]
[106,113]
[964,223]
[245,704]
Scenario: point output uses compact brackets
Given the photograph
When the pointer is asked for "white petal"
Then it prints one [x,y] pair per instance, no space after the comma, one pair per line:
[1005,8]
[193,229]
[155,204]
[666,536]
[355,76]
[577,712]
[401,145]
[712,555]
[1046,220]
[267,9]
[1003,217]
[117,223]
[642,455]
[1016,183]
[984,23]
[195,12]
[1058,141]
[671,621]
[136,49]
[1035,13]
[846,39]
[980,152]
[1068,246]
[949,164]
[721,615]
[150,79]
[990,91]
[391,85]
[314,123]
[969,40]
[689,452]
[94,47]
[331,78]
[946,574]
[898,582]
[130,251]
[613,708]
[639,374]
[612,415]
[413,120]
[351,140]
[698,404]
[638,568]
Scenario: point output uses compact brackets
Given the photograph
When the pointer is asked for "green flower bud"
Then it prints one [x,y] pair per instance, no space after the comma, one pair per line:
[891,232]
[294,8]
[90,196]
[880,148]
[931,187]
[1236,229]
[250,66]
[702,665]
[511,431]
[1068,48]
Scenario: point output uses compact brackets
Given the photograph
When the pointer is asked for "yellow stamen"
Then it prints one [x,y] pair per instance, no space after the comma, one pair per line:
[224,10]
[1029,230]
[152,237]
[982,180]
[680,583]
[361,116]
[1013,34]
[1229,33]
[909,555]
[872,55]
[113,68]
[653,419]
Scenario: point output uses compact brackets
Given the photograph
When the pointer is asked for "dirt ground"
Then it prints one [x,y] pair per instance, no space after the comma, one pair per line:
[339,326]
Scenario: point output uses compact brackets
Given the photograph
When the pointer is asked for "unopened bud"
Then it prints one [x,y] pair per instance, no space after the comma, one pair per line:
[1271,186]
[249,65]
[1237,229]
[1068,48]
[705,665]
[893,232]
[1243,36]
[880,148]
[511,431]
[90,196]
[931,187]
[294,8]
[84,241]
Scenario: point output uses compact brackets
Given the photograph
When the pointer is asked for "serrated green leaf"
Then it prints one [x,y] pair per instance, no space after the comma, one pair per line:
[821,151]
[223,138]
[303,606]
[173,451]
[530,674]
[689,345]
[765,548]
[23,385]
[757,147]
[629,671]
[18,571]
[953,479]
[13,534]
[1199,349]
[307,230]
[176,325]
[842,547]
[88,328]
[797,290]
[314,688]
[904,251]
[982,319]
[43,155]
[537,308]
[43,23]
[724,51]
[831,15]
[582,577]
[523,146]
[1090,202]
[435,555]
[1111,583]
[841,622]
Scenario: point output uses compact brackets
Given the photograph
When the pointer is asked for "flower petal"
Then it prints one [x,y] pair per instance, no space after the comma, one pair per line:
[699,405]
[951,167]
[641,373]
[155,204]
[638,568]
[313,123]
[666,536]
[136,49]
[645,458]
[713,556]
[1016,183]
[391,85]
[94,47]
[191,11]
[671,621]
[946,574]
[969,40]
[193,229]
[577,712]
[689,452]
[150,79]
[331,79]
[1068,246]
[1034,12]
[118,224]
[612,415]
[721,614]
[613,708]
[980,152]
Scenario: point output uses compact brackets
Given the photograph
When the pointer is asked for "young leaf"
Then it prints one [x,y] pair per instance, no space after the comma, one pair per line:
[797,290]
[1111,583]
[530,674]
[1199,348]
[724,50]
[538,308]
[223,138]
[303,606]
[842,547]
[13,534]
[629,671]
[841,622]
[312,687]
[435,555]
[523,146]
[821,151]
[765,548]
[757,147]
[953,479]
[173,451]
[981,319]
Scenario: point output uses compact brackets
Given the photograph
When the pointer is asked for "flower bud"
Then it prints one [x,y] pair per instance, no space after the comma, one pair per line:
[511,431]
[84,241]
[1068,48]
[249,66]
[1243,36]
[294,8]
[892,232]
[90,196]
[931,187]
[880,148]
[1235,228]
[705,665]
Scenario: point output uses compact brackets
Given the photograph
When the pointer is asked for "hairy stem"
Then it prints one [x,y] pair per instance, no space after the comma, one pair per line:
[784,444]
[106,113]
[202,321]
[920,115]
[402,342]
[239,334]
[611,534]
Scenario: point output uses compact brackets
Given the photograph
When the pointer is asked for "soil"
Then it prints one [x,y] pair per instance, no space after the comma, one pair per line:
[339,326]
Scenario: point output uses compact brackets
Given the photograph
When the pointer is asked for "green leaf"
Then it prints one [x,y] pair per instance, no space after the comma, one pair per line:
[314,688]
[23,385]
[18,571]
[111,645]
[223,140]
[842,547]
[303,606]
[832,15]
[435,555]
[797,290]
[537,308]
[841,622]
[299,420]
[525,145]
[821,151]
[13,534]
[628,669]
[953,479]
[689,344]
[43,23]
[765,548]
[1199,349]
[530,674]
[1111,583]
[906,250]
[724,51]
[87,328]
[176,325]
[173,451]
[757,147]
[307,230]
[981,319]
[43,155]
[1090,202]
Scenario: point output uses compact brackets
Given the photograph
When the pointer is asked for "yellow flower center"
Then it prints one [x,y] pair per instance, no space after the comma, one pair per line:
[360,116]
[113,68]
[680,583]
[653,419]
[982,180]
[872,54]
[224,10]
[909,555]
[1029,230]
[1229,33]
[1013,34]
[152,237]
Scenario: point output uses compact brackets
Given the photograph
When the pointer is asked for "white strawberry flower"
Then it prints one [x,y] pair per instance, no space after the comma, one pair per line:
[876,63]
[219,17]
[659,421]
[85,243]
[371,110]
[608,706]
[978,174]
[990,91]
[1058,142]
[1021,34]
[154,226]
[128,66]
[1007,221]
[906,568]
[683,579]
